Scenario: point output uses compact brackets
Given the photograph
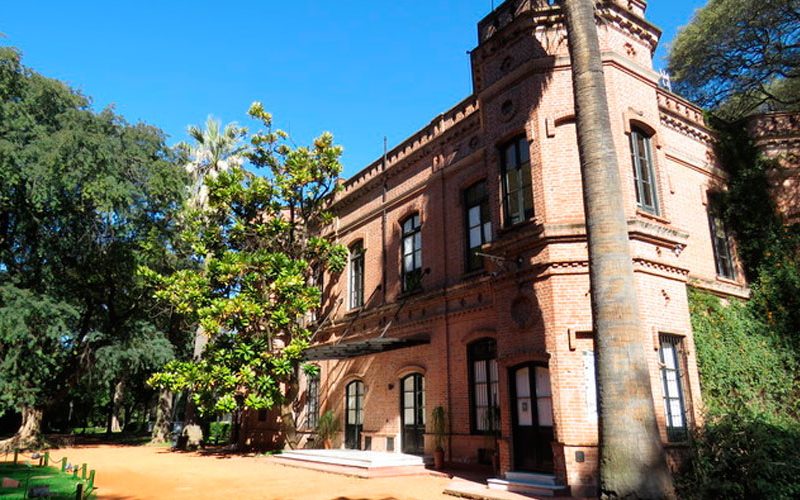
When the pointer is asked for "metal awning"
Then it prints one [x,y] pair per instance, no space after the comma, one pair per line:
[362,347]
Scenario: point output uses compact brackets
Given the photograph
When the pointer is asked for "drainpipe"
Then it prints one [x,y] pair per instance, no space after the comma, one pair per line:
[447,323]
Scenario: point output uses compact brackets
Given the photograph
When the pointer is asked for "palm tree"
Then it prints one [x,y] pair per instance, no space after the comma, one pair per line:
[632,459]
[215,150]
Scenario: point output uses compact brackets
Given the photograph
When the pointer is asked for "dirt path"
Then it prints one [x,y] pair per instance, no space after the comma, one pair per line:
[143,472]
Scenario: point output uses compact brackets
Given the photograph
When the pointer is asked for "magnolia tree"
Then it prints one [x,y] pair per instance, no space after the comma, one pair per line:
[256,240]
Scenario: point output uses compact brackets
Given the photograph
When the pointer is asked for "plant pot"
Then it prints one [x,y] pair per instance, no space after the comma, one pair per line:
[438,459]
[327,444]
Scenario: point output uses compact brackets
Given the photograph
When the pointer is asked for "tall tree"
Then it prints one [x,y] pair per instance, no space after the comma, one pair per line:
[216,149]
[86,198]
[258,240]
[632,460]
[36,341]
[736,56]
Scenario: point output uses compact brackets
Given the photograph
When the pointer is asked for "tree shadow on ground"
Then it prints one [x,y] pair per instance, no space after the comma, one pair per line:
[84,440]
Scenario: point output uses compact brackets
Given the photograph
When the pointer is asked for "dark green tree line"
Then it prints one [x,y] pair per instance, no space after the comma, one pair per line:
[86,199]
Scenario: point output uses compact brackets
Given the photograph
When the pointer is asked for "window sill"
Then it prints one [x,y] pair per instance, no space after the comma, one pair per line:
[652,216]
[728,281]
[477,273]
[676,444]
[519,226]
[354,311]
[410,293]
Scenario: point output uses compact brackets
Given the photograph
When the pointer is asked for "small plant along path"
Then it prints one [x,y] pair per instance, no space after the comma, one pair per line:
[149,472]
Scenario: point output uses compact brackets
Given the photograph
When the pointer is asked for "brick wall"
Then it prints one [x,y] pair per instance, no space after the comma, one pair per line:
[533,296]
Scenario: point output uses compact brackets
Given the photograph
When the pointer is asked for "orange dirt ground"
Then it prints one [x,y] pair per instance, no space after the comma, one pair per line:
[143,472]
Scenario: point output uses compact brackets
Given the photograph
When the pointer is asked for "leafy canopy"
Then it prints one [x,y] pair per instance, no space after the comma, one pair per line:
[261,253]
[85,199]
[738,55]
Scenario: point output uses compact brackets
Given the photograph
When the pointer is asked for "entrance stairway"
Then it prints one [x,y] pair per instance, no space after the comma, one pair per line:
[530,484]
[358,463]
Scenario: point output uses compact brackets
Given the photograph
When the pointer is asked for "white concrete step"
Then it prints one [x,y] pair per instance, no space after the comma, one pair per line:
[540,485]
[532,477]
[354,458]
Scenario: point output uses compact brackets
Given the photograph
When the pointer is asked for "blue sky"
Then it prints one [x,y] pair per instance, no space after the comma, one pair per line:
[360,69]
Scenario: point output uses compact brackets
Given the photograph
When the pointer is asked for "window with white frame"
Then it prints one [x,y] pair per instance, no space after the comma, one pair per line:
[412,253]
[478,223]
[356,275]
[483,374]
[517,184]
[643,172]
[672,373]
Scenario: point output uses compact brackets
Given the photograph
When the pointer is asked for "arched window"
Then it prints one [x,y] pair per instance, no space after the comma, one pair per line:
[357,275]
[412,402]
[412,253]
[643,171]
[483,383]
[354,414]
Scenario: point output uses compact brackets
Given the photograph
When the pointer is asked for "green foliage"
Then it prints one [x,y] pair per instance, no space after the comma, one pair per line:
[744,457]
[86,199]
[749,374]
[738,55]
[748,354]
[327,427]
[219,432]
[257,239]
[62,485]
[746,367]
[36,341]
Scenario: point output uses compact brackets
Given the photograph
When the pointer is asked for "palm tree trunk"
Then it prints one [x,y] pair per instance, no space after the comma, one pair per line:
[632,459]
[163,421]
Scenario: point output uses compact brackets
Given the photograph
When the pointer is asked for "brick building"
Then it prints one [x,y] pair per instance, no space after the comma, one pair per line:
[467,285]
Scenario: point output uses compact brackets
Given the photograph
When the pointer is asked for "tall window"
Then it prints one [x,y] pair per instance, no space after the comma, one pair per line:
[357,275]
[483,386]
[478,223]
[643,173]
[722,246]
[412,254]
[517,190]
[672,379]
[312,401]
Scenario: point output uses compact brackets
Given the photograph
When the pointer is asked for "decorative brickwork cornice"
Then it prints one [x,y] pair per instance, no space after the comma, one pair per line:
[720,288]
[619,16]
[450,125]
[661,268]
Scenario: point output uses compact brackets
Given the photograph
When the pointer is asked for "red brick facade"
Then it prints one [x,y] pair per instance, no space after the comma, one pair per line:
[532,297]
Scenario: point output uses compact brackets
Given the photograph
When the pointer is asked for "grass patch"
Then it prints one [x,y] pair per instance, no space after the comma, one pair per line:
[62,485]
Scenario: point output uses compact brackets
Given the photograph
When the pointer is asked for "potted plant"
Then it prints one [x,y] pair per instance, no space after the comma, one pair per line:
[327,427]
[438,422]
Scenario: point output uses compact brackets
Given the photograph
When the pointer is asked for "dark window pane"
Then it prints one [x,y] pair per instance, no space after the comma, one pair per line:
[643,173]
[517,189]
[483,385]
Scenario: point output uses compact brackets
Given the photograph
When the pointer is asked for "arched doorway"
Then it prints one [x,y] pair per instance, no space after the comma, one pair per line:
[532,418]
[354,414]
[412,412]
